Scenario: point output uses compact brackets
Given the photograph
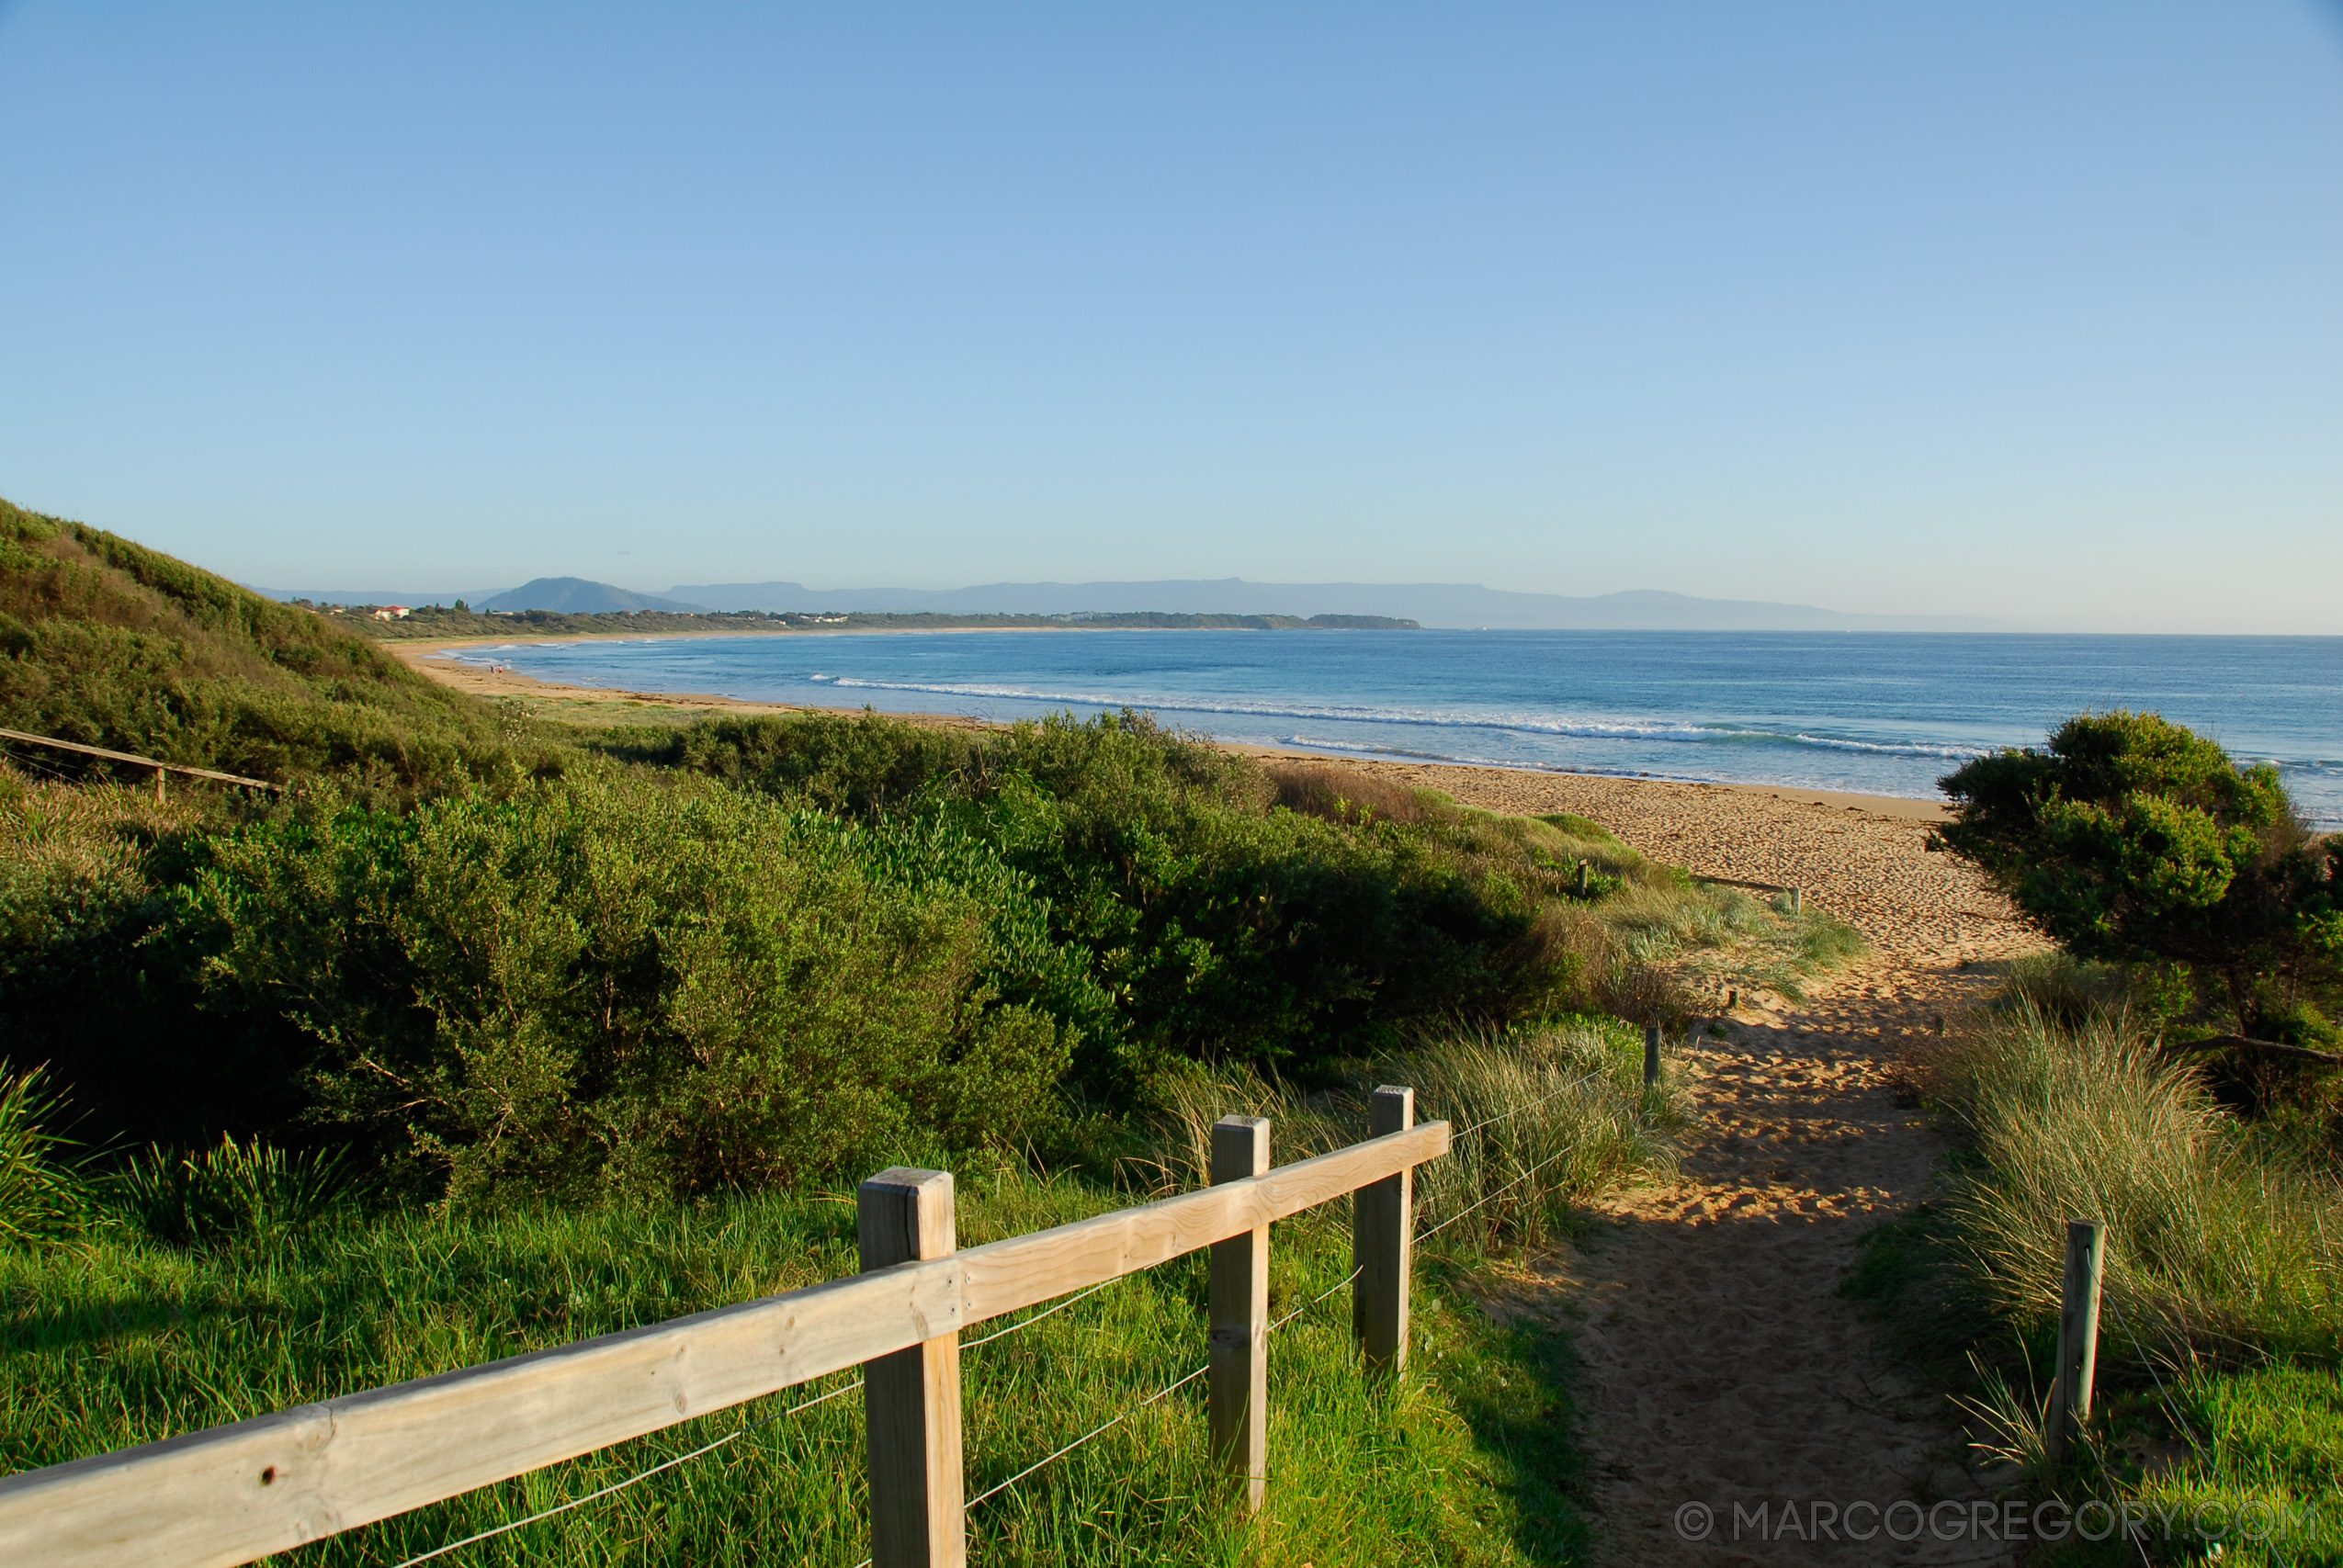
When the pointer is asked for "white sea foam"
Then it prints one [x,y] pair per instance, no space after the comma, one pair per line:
[1891,748]
[1569,727]
[1437,718]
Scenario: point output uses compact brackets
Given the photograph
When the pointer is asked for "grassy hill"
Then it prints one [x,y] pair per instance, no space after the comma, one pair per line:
[107,642]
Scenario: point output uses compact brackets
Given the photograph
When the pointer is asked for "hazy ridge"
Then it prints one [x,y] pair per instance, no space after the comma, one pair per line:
[1445,605]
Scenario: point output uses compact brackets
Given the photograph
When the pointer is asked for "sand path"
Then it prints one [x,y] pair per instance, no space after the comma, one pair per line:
[1720,1365]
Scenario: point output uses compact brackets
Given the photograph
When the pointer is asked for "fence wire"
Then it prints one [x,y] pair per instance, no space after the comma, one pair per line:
[511,1526]
[995,1490]
[1104,1426]
[1297,1312]
[1577,1083]
[1054,1308]
[1560,1153]
[22,758]
[704,1449]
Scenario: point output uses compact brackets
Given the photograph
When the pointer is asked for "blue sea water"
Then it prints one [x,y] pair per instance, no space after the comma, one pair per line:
[1876,713]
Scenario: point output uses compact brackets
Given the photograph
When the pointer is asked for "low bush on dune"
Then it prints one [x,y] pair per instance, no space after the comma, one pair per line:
[2131,841]
[606,985]
[1230,926]
[850,935]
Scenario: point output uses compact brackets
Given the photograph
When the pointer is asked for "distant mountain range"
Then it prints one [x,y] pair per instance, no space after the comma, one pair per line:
[1465,604]
[1450,604]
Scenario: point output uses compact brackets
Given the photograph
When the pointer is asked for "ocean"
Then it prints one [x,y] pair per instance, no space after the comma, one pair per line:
[1874,712]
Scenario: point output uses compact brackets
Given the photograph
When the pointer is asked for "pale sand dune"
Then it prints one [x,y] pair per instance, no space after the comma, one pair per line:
[1719,1365]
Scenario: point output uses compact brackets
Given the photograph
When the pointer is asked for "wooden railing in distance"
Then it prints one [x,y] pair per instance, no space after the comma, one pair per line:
[232,1493]
[160,768]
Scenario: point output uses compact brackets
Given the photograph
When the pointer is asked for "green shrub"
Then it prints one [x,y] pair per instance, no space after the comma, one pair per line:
[2131,839]
[859,767]
[1229,927]
[99,981]
[610,984]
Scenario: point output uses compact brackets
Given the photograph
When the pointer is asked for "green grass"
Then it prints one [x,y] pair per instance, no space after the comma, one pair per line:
[2244,1460]
[1466,1461]
[114,1339]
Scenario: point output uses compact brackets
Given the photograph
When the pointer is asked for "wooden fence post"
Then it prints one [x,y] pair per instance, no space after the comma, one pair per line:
[2070,1394]
[911,1399]
[1240,1378]
[1651,1054]
[1797,899]
[1383,1222]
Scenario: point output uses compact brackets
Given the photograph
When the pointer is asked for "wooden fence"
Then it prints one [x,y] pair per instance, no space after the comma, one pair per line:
[161,769]
[235,1493]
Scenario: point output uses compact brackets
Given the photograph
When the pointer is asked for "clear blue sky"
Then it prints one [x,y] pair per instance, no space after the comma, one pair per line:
[2014,309]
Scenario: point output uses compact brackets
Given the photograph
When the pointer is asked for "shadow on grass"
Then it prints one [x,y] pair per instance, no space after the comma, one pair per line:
[1510,1384]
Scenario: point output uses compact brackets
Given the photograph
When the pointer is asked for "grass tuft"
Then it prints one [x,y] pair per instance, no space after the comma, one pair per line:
[44,1196]
[2211,1249]
[231,1191]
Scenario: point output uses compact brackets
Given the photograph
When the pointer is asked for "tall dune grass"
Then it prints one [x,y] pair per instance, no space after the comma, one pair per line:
[2213,1247]
[1543,1116]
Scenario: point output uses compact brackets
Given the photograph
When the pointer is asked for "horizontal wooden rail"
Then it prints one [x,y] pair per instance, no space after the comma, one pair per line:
[1797,894]
[1738,882]
[134,757]
[231,1493]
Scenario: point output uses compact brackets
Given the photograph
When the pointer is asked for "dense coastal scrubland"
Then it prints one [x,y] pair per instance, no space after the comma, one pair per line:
[411,1052]
[522,1018]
